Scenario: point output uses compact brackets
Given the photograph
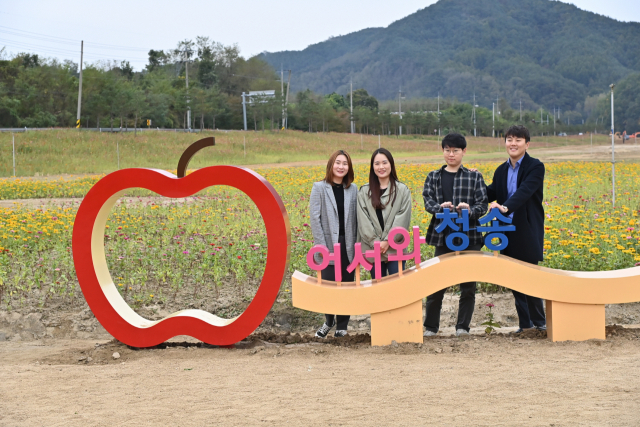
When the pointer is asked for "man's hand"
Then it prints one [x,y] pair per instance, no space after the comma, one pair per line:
[474,170]
[447,205]
[499,206]
[384,245]
[462,206]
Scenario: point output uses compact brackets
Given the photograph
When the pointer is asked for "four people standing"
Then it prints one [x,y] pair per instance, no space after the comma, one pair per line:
[339,213]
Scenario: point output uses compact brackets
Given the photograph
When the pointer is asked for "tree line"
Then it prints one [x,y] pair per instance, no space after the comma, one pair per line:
[39,92]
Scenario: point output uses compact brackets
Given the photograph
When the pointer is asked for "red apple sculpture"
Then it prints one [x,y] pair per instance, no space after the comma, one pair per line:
[98,287]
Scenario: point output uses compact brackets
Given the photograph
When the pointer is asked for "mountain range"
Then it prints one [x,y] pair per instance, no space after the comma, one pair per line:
[541,52]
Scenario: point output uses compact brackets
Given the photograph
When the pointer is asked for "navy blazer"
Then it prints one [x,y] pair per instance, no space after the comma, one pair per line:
[526,243]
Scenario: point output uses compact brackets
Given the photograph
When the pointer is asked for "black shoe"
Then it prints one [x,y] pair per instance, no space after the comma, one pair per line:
[521,330]
[340,333]
[323,331]
[541,328]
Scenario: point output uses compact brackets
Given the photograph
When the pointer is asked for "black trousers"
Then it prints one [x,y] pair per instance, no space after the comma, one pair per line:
[465,306]
[530,310]
[329,273]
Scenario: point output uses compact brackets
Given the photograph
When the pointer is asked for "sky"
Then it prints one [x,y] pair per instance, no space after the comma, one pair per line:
[127,30]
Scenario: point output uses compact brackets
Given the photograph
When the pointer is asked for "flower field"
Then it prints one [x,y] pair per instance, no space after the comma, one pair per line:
[159,250]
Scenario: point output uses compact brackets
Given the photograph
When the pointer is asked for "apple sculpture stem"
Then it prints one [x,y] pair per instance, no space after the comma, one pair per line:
[97,285]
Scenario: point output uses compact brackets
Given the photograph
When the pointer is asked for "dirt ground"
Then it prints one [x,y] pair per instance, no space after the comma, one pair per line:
[501,380]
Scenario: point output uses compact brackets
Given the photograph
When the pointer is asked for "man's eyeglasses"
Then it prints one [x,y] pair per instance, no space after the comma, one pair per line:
[455,151]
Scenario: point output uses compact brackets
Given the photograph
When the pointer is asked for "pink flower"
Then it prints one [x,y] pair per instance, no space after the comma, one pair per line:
[185,252]
[489,305]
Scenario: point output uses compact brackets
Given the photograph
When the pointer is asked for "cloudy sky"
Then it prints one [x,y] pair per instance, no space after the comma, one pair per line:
[128,29]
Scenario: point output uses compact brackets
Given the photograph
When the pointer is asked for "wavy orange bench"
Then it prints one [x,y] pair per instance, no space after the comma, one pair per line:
[575,300]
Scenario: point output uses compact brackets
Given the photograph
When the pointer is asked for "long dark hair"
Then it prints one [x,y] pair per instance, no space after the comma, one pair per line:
[374,182]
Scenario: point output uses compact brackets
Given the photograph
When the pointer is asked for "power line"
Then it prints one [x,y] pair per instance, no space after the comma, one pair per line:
[62,40]
[59,51]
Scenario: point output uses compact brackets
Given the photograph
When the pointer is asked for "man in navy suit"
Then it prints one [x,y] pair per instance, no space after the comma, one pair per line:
[517,189]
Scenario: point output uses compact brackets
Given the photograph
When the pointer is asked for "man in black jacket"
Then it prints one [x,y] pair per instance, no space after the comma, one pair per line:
[517,189]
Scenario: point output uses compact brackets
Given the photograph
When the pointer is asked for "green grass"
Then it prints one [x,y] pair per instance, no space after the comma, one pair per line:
[64,151]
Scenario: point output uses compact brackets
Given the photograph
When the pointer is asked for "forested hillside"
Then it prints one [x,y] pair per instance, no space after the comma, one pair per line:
[543,63]
[546,53]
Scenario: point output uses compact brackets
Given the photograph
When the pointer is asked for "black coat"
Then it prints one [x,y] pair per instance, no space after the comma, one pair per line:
[526,243]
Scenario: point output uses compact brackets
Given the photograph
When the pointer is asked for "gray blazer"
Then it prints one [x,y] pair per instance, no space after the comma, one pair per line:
[323,217]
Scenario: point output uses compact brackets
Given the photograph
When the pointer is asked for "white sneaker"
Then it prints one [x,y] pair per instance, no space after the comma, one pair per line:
[323,331]
[462,333]
[429,334]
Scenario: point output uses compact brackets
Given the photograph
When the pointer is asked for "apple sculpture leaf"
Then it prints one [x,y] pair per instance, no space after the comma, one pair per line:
[102,296]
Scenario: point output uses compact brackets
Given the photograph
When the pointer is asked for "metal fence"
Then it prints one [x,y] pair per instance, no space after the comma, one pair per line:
[118,130]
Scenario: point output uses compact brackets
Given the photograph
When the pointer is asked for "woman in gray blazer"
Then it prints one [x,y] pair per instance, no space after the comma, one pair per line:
[332,214]
[383,204]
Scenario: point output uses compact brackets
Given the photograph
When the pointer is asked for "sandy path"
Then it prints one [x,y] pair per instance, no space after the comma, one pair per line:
[444,382]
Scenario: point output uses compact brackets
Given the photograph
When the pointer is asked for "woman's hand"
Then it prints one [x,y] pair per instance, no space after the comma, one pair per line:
[384,245]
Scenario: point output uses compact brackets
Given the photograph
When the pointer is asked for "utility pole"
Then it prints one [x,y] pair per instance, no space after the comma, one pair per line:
[497,108]
[286,103]
[351,100]
[13,142]
[185,58]
[400,108]
[542,132]
[244,110]
[186,64]
[493,113]
[79,86]
[520,110]
[282,92]
[613,152]
[438,113]
[474,115]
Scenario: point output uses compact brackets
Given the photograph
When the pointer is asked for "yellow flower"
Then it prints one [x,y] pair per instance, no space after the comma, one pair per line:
[567,256]
[595,251]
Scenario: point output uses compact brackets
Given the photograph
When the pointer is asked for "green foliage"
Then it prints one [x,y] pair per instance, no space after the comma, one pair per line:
[36,92]
[361,98]
[490,323]
[627,104]
[336,101]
